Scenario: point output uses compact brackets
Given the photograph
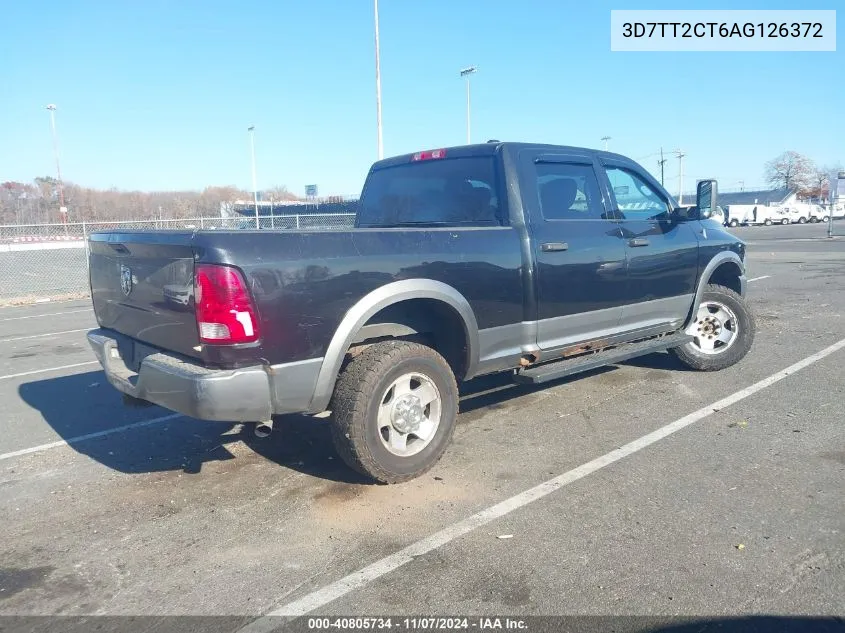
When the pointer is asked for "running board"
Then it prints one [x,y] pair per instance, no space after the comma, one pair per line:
[609,356]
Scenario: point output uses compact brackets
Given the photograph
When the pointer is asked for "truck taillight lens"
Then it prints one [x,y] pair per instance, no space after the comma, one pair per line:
[224,308]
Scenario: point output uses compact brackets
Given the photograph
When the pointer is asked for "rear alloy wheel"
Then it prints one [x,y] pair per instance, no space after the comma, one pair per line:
[723,330]
[734,223]
[394,410]
[768,222]
[784,222]
[826,219]
[802,220]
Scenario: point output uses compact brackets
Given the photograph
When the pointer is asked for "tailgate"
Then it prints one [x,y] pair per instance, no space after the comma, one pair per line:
[142,285]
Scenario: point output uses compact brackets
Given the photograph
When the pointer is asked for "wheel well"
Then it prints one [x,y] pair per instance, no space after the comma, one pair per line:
[429,321]
[727,275]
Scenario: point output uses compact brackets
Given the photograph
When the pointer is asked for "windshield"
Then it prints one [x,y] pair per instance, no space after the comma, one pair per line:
[440,192]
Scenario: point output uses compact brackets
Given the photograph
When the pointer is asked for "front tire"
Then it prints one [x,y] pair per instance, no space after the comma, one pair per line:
[394,411]
[784,222]
[723,328]
[734,223]
[802,220]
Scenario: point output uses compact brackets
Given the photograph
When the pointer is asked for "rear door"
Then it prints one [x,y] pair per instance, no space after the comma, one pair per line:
[578,249]
[142,285]
[662,251]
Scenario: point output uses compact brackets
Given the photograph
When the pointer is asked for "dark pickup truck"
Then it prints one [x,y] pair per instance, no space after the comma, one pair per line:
[536,260]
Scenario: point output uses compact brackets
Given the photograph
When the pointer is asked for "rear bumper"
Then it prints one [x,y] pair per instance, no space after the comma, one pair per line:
[248,394]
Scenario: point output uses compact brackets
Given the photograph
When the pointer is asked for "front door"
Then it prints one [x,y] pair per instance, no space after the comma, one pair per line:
[578,250]
[662,252]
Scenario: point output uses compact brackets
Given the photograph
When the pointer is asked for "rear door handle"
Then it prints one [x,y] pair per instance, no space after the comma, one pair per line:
[638,241]
[551,247]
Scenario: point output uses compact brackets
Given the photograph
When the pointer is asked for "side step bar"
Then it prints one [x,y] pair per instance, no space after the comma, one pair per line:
[625,351]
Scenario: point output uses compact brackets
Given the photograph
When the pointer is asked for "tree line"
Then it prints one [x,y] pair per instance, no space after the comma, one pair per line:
[792,170]
[37,202]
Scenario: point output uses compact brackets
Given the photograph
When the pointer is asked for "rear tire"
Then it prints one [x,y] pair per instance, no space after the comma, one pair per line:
[768,222]
[394,410]
[734,223]
[722,314]
[784,222]
[802,220]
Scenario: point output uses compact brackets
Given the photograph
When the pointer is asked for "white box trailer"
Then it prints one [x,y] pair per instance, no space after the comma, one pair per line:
[755,215]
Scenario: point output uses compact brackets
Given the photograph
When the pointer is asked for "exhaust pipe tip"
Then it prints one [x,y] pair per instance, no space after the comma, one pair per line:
[264,429]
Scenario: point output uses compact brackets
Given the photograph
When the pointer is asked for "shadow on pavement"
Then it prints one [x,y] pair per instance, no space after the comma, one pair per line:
[84,404]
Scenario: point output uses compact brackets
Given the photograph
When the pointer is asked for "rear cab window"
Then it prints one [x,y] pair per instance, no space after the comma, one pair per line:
[461,191]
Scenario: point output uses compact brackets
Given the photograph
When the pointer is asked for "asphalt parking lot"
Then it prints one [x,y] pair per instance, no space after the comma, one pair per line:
[738,509]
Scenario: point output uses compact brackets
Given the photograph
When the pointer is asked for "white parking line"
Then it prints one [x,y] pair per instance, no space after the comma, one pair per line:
[759,278]
[88,436]
[366,575]
[41,371]
[24,338]
[40,316]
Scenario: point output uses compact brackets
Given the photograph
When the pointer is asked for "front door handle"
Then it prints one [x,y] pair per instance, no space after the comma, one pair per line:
[551,247]
[638,241]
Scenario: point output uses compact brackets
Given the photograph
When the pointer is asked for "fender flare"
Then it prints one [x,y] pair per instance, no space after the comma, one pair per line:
[370,304]
[713,264]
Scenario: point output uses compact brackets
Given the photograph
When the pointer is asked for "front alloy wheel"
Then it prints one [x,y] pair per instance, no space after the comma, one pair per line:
[714,328]
[722,331]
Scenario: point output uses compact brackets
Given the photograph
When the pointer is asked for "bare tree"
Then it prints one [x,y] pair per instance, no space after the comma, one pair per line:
[791,170]
[821,180]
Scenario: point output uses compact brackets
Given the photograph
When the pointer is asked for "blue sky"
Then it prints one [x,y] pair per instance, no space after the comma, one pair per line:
[158,95]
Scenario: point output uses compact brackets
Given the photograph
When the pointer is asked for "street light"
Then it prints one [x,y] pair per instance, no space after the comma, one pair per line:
[378,89]
[62,208]
[251,130]
[605,139]
[466,72]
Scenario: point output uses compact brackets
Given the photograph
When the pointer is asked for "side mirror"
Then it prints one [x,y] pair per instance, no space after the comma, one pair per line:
[705,198]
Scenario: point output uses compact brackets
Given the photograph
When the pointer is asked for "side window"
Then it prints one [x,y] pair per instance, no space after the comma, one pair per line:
[636,199]
[569,191]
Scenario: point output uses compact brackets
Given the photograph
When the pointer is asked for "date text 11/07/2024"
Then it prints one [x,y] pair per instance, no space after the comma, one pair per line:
[481,623]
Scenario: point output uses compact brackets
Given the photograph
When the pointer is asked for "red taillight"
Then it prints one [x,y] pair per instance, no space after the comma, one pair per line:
[224,309]
[430,155]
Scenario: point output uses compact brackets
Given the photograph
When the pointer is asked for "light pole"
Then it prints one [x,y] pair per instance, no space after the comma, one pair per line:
[62,208]
[251,130]
[605,139]
[466,72]
[378,89]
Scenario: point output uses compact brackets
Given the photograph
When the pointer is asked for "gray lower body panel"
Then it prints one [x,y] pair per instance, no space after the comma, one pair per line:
[248,394]
[501,347]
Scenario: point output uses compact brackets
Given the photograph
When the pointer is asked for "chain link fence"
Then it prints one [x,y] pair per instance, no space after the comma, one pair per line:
[49,261]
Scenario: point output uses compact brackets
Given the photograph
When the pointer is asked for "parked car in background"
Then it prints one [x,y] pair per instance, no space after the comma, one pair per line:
[779,215]
[816,213]
[738,214]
